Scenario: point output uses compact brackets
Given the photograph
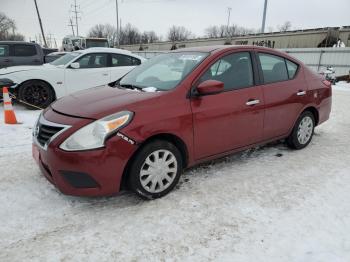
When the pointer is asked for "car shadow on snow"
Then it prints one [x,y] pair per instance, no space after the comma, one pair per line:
[127,199]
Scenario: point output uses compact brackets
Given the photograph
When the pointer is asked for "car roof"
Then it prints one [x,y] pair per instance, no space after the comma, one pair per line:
[217,48]
[18,42]
[109,50]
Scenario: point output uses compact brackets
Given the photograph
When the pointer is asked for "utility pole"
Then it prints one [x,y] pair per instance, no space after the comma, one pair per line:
[264,18]
[228,19]
[117,13]
[76,12]
[71,25]
[41,25]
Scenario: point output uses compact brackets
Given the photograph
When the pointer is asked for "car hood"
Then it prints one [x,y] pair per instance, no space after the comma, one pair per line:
[15,69]
[98,102]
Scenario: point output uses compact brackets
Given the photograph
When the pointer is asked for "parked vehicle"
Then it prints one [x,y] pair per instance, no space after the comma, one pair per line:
[71,43]
[329,74]
[89,42]
[74,43]
[53,56]
[40,85]
[14,53]
[173,112]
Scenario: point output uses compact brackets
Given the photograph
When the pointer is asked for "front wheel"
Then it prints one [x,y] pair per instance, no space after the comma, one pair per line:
[303,131]
[36,94]
[155,169]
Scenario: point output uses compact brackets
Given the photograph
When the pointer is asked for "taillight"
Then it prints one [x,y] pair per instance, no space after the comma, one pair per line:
[327,83]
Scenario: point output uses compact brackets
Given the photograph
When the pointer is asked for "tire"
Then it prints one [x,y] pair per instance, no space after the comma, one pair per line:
[147,174]
[37,93]
[303,131]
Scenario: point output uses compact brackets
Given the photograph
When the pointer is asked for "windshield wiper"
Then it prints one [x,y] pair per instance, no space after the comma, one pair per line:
[129,86]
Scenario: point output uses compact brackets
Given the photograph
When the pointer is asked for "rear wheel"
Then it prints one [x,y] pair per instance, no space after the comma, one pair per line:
[36,93]
[155,170]
[302,132]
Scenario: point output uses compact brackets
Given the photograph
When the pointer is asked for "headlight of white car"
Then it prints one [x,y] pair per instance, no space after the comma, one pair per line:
[93,135]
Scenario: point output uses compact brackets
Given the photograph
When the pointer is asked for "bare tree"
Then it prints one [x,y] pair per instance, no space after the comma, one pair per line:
[8,29]
[104,31]
[178,33]
[212,31]
[149,37]
[129,35]
[285,27]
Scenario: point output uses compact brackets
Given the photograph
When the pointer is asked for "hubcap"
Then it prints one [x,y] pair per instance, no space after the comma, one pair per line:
[305,130]
[158,171]
[35,94]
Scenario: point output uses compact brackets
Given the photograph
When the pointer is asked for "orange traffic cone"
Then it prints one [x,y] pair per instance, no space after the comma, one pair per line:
[10,117]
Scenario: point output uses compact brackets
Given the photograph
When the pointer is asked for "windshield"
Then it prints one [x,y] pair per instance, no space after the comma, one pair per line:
[65,59]
[163,72]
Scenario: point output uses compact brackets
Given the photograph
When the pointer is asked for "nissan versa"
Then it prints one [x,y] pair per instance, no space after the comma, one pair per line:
[174,111]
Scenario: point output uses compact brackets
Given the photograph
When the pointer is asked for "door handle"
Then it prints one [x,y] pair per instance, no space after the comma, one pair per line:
[253,102]
[301,93]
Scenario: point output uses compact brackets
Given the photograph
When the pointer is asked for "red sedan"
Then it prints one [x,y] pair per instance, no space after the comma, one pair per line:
[175,111]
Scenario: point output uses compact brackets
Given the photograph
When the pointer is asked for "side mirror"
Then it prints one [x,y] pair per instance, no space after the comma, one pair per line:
[210,87]
[75,65]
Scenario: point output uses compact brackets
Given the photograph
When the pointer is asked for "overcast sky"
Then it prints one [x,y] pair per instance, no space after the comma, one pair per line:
[159,15]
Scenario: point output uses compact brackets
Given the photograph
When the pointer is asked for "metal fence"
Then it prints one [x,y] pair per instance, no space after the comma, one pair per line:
[319,58]
[316,58]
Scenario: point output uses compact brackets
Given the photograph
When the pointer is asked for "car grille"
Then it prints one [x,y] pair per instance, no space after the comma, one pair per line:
[46,132]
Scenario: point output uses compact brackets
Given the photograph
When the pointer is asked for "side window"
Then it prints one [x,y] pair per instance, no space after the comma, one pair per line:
[24,50]
[234,70]
[273,67]
[93,61]
[124,60]
[292,68]
[4,50]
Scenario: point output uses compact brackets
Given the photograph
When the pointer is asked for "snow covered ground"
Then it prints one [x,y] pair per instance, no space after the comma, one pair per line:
[264,204]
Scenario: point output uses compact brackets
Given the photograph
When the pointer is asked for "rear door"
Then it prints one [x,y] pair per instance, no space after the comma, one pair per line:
[121,65]
[5,59]
[93,71]
[233,118]
[24,54]
[284,92]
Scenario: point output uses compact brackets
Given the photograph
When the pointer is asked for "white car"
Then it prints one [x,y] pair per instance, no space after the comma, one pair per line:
[40,85]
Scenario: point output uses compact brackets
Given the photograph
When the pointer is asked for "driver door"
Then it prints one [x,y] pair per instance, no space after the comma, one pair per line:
[93,71]
[231,119]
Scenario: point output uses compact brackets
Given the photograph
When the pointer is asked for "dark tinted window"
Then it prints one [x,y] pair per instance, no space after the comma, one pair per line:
[24,50]
[4,50]
[292,68]
[124,60]
[93,61]
[273,67]
[234,70]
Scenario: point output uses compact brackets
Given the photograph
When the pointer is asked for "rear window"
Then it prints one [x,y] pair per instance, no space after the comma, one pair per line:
[292,68]
[24,50]
[124,60]
[4,50]
[273,67]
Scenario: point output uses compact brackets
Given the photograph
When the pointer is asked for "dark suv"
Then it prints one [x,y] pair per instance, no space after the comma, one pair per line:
[14,53]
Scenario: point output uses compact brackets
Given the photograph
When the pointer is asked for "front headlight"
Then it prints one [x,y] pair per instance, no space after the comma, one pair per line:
[94,135]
